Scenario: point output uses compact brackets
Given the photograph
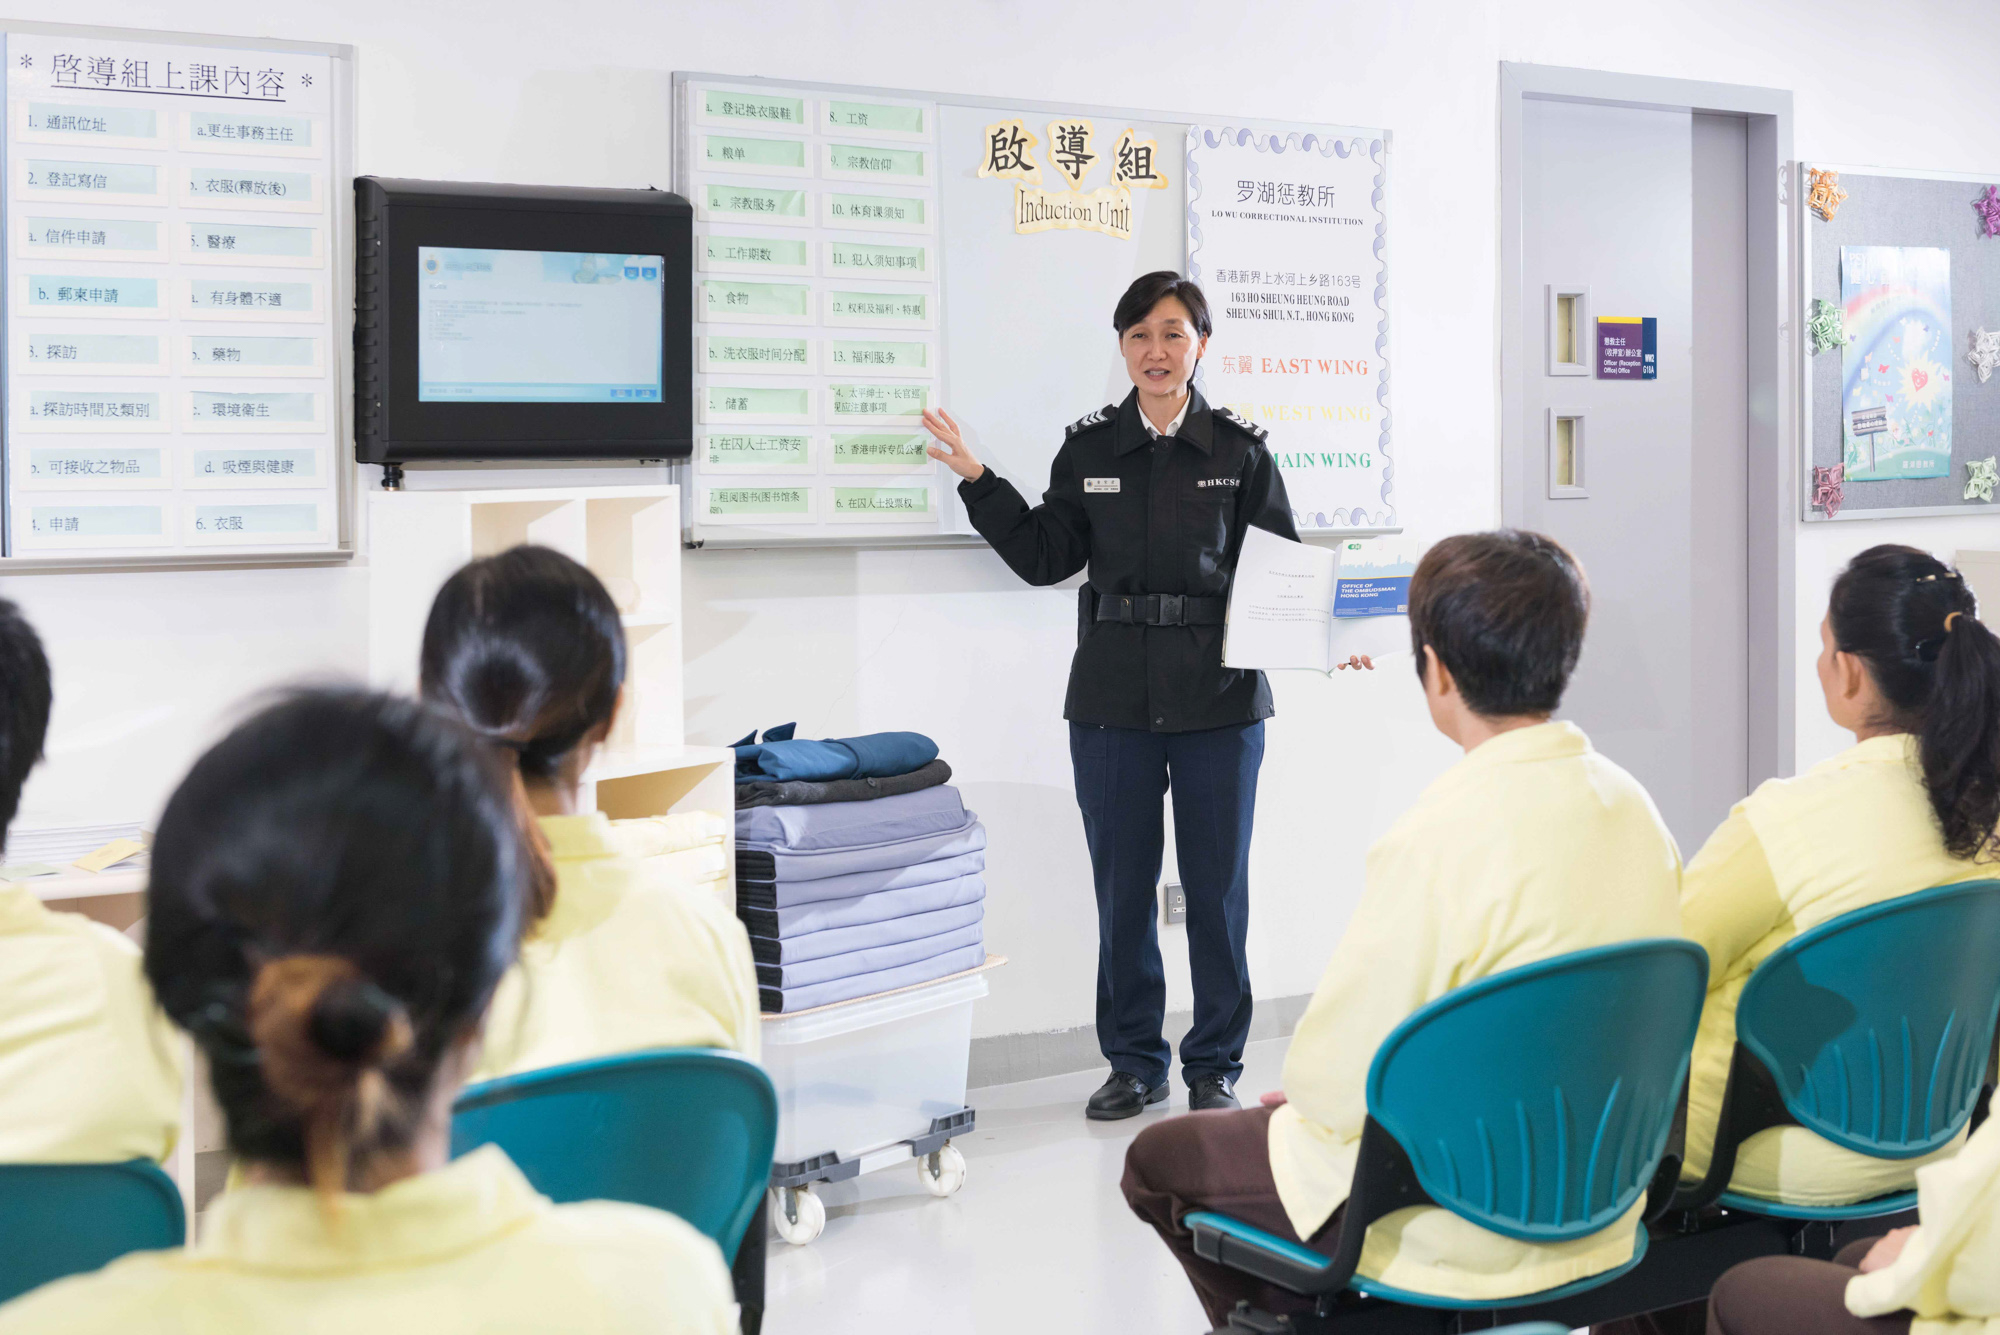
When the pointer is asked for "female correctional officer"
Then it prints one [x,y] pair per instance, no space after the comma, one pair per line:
[1153,494]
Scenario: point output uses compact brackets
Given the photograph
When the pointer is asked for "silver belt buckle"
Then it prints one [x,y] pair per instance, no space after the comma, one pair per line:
[1173,609]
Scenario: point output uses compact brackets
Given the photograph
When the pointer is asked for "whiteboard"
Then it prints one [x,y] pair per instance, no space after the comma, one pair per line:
[1021,331]
[1028,336]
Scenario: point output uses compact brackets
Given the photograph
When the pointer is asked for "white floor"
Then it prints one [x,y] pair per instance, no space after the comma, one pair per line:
[1038,1239]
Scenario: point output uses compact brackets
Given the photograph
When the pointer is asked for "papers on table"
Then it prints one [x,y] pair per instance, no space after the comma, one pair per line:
[1292,605]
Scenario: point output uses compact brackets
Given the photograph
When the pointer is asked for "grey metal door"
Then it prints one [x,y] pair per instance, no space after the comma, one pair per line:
[1629,213]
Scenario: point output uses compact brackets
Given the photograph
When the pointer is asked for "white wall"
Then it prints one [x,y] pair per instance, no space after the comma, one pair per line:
[947,641]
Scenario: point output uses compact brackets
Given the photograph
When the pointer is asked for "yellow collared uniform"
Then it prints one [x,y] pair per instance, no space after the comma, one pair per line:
[1849,832]
[1949,1272]
[630,957]
[90,1069]
[1533,845]
[469,1248]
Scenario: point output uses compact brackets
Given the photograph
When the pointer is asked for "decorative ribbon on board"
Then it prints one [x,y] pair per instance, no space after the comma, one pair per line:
[1825,327]
[1985,475]
[1824,195]
[1985,354]
[1989,210]
[1827,488]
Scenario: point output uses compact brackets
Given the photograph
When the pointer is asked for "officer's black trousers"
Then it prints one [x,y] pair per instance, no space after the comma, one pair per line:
[1121,776]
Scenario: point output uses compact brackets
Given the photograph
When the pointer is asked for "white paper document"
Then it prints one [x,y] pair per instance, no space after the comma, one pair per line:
[1281,611]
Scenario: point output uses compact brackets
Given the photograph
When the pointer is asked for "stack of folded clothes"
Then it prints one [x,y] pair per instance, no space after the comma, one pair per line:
[848,892]
[684,849]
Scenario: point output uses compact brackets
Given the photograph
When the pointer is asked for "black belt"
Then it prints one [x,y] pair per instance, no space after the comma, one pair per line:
[1161,609]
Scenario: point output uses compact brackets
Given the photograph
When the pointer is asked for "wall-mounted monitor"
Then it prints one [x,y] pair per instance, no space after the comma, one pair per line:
[521,322]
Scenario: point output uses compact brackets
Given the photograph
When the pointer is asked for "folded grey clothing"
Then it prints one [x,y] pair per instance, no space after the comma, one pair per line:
[874,959]
[761,891]
[808,792]
[801,920]
[788,999]
[831,825]
[841,940]
[794,871]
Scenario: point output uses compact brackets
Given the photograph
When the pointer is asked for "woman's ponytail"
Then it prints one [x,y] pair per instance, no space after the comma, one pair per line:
[1960,741]
[527,647]
[1914,622]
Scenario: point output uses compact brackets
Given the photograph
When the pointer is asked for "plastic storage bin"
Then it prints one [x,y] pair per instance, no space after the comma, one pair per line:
[865,1084]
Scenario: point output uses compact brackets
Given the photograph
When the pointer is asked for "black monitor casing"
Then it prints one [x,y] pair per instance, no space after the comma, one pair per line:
[394,217]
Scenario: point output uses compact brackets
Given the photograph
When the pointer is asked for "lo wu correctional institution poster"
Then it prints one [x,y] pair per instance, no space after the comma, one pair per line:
[1285,234]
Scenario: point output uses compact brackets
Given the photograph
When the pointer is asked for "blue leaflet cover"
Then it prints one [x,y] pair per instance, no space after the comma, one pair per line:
[1373,579]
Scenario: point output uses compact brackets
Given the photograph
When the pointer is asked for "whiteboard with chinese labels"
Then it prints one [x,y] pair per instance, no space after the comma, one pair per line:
[175,219]
[863,253]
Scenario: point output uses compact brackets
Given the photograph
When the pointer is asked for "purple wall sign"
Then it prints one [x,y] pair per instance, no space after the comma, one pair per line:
[1628,347]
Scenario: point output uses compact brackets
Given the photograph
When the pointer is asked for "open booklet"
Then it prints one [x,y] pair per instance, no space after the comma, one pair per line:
[1293,605]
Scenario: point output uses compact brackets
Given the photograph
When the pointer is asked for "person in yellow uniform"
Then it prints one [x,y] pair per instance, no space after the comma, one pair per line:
[527,647]
[1533,845]
[1914,803]
[90,1070]
[1941,1277]
[337,887]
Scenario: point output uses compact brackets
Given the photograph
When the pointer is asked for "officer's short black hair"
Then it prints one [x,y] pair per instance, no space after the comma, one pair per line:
[1150,289]
[25,696]
[1505,614]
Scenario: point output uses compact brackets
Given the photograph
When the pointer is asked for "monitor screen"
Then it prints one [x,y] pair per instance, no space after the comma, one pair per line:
[538,326]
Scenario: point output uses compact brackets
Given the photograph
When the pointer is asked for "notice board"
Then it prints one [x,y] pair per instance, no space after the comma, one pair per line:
[1891,394]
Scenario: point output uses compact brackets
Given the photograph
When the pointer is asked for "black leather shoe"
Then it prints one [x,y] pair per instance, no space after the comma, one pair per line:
[1211,1091]
[1122,1096]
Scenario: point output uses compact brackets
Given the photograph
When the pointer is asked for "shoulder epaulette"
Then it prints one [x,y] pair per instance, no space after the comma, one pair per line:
[1102,417]
[1251,429]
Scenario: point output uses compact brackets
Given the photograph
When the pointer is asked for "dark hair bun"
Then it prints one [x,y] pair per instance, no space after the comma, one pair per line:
[320,1027]
[357,1022]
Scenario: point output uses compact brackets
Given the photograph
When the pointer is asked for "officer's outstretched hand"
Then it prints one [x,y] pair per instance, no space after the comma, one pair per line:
[1357,662]
[949,445]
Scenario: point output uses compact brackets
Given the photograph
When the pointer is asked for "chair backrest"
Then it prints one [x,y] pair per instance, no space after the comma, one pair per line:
[688,1130]
[1538,1102]
[68,1219]
[1877,1025]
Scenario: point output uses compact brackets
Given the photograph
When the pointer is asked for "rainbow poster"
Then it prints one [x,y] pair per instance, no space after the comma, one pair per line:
[1895,371]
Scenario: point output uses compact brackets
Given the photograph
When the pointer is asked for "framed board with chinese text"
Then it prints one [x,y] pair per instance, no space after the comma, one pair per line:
[177,312]
[863,253]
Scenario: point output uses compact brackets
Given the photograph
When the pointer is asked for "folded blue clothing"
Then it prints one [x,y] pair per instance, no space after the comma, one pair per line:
[863,935]
[825,915]
[783,757]
[794,873]
[789,999]
[874,959]
[848,824]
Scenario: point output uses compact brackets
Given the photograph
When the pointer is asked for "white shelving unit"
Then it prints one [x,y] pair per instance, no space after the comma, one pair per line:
[630,538]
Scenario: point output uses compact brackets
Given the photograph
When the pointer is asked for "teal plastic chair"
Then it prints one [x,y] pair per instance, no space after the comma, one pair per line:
[69,1219]
[1537,1103]
[687,1130]
[1873,1031]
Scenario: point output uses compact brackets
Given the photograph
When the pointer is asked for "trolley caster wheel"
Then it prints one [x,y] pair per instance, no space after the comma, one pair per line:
[942,1170]
[798,1215]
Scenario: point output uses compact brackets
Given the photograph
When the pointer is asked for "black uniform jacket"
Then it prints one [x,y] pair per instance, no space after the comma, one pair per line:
[1148,517]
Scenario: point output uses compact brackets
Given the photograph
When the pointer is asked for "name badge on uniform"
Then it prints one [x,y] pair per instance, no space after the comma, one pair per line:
[1101,483]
